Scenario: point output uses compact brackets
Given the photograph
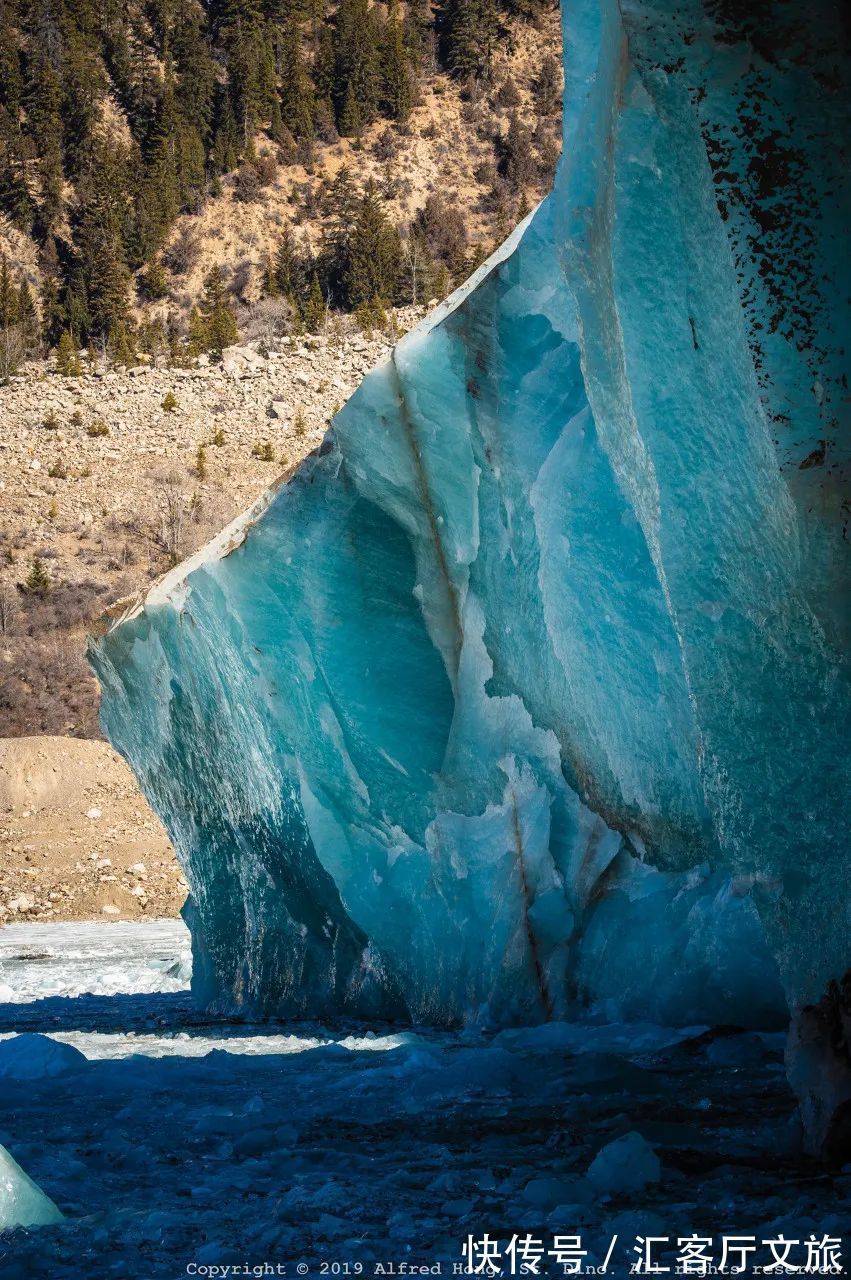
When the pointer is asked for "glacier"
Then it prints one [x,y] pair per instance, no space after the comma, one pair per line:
[529,693]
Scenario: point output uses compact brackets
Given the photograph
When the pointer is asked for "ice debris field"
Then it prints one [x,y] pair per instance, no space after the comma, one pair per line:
[166,1139]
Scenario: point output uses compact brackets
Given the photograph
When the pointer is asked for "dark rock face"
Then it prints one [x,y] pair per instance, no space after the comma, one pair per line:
[818,1063]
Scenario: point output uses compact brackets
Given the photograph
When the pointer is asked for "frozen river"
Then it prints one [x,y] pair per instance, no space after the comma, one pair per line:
[38,960]
[179,1143]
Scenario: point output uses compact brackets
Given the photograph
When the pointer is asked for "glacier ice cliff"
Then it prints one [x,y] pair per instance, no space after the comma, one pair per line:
[530,692]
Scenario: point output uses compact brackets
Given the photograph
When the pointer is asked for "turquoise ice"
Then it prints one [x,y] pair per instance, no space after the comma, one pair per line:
[529,692]
[22,1203]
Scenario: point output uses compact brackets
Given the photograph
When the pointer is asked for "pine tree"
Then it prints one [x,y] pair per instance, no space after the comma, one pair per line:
[83,88]
[162,176]
[419,35]
[441,281]
[374,253]
[396,92]
[8,296]
[519,162]
[226,149]
[314,310]
[351,117]
[53,316]
[296,99]
[15,199]
[324,69]
[219,329]
[27,316]
[152,282]
[103,272]
[478,254]
[468,36]
[356,80]
[44,121]
[287,267]
[67,358]
[122,350]
[151,338]
[178,351]
[548,86]
[250,61]
[270,280]
[340,207]
[277,132]
[11,80]
[196,70]
[38,580]
[196,333]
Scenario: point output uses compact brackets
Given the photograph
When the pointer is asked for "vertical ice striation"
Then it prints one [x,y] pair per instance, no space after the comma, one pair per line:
[528,691]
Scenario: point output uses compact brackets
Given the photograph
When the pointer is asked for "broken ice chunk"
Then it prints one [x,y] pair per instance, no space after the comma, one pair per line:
[34,1057]
[22,1203]
[626,1165]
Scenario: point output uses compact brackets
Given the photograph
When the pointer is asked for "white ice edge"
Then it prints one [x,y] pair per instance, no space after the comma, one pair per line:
[216,549]
[459,295]
[165,591]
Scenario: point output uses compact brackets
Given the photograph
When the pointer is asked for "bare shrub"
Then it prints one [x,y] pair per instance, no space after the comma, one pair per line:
[386,145]
[548,144]
[47,688]
[45,683]
[241,277]
[268,319]
[266,166]
[13,350]
[171,513]
[183,252]
[209,513]
[507,95]
[415,266]
[485,173]
[247,186]
[8,607]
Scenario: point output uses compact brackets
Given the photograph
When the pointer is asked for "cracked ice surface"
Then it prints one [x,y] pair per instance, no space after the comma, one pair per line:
[526,694]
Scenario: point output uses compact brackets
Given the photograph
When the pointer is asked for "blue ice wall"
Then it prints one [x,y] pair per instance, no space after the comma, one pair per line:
[528,691]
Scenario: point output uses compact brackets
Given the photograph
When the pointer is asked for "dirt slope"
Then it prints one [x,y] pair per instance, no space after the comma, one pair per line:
[77,839]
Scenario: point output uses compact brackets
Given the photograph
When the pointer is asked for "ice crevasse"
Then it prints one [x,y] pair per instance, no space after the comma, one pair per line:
[529,691]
